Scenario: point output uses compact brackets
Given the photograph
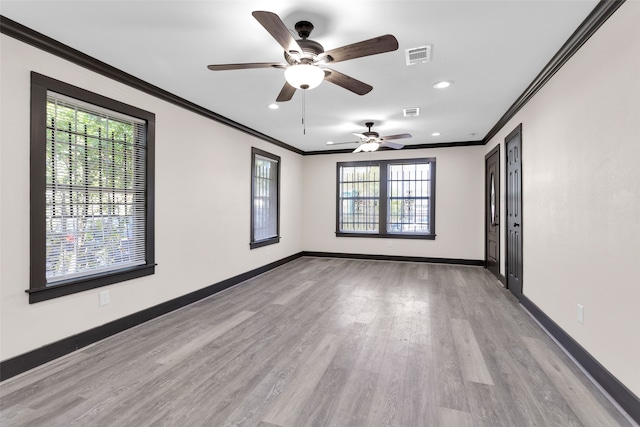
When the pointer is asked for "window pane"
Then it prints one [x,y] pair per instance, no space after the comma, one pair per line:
[409,197]
[95,191]
[359,198]
[265,197]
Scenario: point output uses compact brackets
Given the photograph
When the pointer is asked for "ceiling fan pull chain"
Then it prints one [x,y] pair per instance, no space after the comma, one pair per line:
[304,125]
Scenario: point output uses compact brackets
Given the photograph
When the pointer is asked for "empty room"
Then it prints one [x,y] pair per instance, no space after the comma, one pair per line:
[320,213]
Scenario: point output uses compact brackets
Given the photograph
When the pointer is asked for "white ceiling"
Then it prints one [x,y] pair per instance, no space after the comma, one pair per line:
[491,50]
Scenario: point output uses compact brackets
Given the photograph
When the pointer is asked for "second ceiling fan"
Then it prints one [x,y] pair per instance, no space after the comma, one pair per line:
[305,56]
[371,141]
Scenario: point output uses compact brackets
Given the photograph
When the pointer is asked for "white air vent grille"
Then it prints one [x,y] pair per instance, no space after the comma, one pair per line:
[418,55]
[411,112]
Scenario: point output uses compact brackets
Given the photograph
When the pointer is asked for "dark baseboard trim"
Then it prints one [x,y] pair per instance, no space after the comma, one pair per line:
[19,364]
[54,47]
[603,10]
[621,394]
[476,262]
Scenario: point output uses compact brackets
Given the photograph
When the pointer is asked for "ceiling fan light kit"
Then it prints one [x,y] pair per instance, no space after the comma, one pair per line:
[369,147]
[304,76]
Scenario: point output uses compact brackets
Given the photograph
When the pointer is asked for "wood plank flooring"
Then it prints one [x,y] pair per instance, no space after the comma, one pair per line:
[323,342]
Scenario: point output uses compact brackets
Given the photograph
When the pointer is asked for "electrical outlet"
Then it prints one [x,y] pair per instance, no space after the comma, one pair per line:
[104,298]
[580,314]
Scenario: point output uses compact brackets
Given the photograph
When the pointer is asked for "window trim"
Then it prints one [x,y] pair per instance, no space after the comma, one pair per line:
[253,244]
[38,290]
[384,199]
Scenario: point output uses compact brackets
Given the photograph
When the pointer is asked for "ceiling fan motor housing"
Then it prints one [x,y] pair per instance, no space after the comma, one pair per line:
[369,134]
[310,51]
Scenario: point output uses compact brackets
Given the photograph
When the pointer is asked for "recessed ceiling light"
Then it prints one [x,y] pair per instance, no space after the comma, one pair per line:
[435,134]
[329,142]
[442,84]
[274,106]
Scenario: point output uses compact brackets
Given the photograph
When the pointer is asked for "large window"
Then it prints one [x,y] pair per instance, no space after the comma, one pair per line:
[91,190]
[265,200]
[386,198]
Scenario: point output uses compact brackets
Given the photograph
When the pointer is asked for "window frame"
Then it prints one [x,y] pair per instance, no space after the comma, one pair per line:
[38,290]
[253,243]
[383,201]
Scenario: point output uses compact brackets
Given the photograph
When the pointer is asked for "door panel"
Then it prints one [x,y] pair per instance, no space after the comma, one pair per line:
[492,211]
[513,265]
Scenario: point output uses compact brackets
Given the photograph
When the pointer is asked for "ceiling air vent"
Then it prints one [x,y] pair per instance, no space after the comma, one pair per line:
[418,55]
[411,112]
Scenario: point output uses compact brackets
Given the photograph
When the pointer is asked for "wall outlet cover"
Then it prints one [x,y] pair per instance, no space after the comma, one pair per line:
[104,298]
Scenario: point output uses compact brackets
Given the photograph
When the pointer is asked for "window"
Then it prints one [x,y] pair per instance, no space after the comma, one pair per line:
[387,198]
[91,190]
[265,199]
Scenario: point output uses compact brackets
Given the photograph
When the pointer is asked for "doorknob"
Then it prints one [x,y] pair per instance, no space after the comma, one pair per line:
[515,224]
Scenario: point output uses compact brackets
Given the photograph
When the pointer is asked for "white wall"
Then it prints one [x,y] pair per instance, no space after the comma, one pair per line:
[581,192]
[459,206]
[202,207]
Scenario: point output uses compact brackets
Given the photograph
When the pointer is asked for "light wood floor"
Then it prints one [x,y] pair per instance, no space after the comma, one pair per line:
[323,341]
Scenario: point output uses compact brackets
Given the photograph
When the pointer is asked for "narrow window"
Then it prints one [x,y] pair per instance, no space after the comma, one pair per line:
[265,198]
[388,198]
[359,198]
[409,198]
[91,181]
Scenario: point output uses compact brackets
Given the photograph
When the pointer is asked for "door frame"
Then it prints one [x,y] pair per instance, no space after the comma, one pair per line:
[516,132]
[494,151]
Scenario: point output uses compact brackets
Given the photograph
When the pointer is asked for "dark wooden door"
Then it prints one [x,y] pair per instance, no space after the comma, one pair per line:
[492,211]
[514,212]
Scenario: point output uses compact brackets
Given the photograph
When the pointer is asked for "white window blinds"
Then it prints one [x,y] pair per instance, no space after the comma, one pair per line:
[95,189]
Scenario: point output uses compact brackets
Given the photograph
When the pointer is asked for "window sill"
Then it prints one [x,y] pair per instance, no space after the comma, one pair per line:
[388,235]
[265,242]
[89,282]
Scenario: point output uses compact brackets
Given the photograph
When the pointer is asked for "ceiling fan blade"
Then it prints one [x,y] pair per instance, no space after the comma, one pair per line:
[399,136]
[223,67]
[274,25]
[286,93]
[359,135]
[359,149]
[393,145]
[374,46]
[349,83]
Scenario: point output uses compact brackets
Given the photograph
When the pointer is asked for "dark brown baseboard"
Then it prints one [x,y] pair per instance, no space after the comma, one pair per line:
[456,261]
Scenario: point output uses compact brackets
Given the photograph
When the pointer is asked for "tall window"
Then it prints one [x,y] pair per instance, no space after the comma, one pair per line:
[91,204]
[265,200]
[386,198]
[359,198]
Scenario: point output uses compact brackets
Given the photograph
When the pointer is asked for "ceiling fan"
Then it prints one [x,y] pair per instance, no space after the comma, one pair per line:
[305,56]
[371,141]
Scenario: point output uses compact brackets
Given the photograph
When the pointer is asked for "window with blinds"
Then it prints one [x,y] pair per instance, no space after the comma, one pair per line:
[265,186]
[386,198]
[91,190]
[95,189]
